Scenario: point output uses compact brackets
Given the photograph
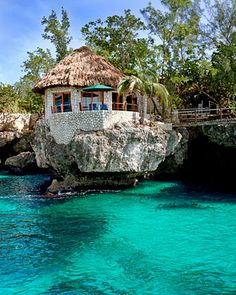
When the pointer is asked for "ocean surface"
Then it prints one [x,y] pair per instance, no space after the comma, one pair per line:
[157,238]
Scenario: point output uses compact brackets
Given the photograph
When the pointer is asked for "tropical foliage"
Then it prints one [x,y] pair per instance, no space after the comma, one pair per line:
[20,97]
[118,38]
[145,87]
[189,44]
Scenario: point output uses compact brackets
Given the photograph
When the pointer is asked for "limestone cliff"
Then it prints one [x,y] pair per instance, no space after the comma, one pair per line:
[221,133]
[206,153]
[109,158]
[16,132]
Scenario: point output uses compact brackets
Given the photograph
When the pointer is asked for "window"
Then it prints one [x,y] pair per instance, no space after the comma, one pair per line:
[92,101]
[117,102]
[132,104]
[62,102]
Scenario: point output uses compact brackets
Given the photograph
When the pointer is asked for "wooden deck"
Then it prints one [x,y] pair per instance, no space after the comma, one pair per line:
[202,114]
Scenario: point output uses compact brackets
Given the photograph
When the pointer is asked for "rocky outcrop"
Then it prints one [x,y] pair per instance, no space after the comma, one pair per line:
[22,163]
[174,162]
[206,153]
[16,131]
[117,157]
[15,122]
[221,133]
[109,158]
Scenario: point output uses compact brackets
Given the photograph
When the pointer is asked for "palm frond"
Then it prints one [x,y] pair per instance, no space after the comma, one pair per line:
[130,84]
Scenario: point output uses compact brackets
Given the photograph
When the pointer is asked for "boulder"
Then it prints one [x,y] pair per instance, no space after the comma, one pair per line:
[108,158]
[15,133]
[54,187]
[22,163]
[23,144]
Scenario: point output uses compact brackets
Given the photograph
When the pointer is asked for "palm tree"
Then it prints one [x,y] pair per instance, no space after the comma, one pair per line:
[146,87]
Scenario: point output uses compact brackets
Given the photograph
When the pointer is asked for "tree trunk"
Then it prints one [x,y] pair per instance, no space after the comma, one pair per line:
[141,107]
[156,104]
[162,110]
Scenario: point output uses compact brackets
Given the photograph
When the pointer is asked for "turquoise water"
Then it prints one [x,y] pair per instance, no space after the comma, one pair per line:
[158,238]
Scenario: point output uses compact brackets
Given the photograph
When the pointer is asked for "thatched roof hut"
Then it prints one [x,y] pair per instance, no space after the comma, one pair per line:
[81,68]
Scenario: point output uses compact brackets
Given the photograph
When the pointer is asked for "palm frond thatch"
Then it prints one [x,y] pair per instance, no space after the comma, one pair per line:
[81,68]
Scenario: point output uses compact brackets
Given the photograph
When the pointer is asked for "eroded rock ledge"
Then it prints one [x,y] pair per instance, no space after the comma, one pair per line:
[103,159]
[16,132]
[206,154]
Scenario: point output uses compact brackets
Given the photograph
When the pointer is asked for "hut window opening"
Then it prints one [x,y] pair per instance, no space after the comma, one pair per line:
[132,103]
[62,102]
[117,102]
[92,101]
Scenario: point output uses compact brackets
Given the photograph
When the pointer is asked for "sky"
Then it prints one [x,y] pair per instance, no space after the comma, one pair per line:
[21,29]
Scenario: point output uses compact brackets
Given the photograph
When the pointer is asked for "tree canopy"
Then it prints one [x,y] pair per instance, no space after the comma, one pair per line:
[118,38]
[20,97]
[189,45]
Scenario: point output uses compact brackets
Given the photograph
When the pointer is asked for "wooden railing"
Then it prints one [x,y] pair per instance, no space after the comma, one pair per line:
[124,106]
[119,106]
[93,107]
[61,108]
[203,114]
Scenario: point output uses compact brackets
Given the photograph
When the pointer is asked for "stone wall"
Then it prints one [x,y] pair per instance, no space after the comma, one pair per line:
[63,126]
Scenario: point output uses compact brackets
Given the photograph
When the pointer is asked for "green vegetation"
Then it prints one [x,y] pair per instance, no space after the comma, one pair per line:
[147,86]
[20,97]
[117,38]
[189,45]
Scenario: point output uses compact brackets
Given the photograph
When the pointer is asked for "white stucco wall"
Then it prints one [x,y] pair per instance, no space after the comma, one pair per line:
[63,126]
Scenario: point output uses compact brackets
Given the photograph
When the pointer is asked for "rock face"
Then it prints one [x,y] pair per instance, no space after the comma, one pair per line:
[175,161]
[223,134]
[109,158]
[22,163]
[16,132]
[206,154]
[116,157]
[15,122]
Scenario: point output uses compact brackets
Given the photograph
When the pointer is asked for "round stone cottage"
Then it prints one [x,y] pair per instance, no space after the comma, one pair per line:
[80,94]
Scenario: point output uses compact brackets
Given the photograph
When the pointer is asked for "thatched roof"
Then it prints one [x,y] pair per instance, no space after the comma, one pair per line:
[81,68]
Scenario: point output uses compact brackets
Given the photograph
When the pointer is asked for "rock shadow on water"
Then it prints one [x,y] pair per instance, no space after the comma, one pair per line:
[23,184]
[195,193]
[179,206]
[202,281]
[67,232]
[83,286]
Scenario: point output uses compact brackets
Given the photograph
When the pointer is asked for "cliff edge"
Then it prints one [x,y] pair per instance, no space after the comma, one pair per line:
[103,159]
